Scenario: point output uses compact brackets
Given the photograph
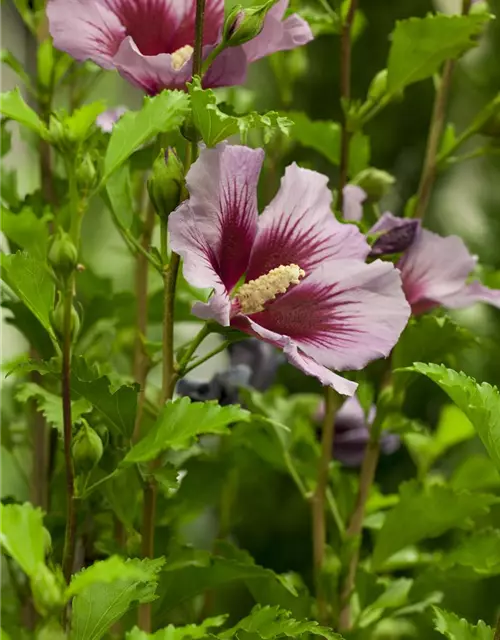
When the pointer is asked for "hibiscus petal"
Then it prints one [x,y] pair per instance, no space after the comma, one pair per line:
[107,119]
[298,227]
[87,30]
[300,360]
[343,315]
[470,294]
[434,269]
[353,197]
[228,69]
[278,34]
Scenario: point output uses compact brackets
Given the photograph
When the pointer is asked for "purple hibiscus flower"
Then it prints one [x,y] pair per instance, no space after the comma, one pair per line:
[307,288]
[150,42]
[352,432]
[107,119]
[435,270]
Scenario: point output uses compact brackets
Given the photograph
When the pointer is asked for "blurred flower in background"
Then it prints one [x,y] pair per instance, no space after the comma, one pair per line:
[107,119]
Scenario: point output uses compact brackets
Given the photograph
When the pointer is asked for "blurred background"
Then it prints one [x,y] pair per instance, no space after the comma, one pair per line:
[269,518]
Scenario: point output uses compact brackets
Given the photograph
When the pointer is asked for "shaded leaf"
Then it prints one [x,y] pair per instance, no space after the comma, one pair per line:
[22,535]
[421,45]
[162,113]
[179,422]
[27,231]
[426,512]
[450,625]
[480,551]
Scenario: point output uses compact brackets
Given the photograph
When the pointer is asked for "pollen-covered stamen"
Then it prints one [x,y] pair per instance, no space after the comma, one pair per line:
[181,56]
[253,295]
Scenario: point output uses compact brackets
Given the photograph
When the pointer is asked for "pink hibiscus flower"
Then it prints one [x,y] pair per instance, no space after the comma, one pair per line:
[150,42]
[307,288]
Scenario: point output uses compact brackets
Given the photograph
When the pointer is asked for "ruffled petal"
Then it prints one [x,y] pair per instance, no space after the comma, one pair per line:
[470,294]
[398,234]
[295,356]
[87,30]
[353,197]
[278,34]
[228,69]
[298,227]
[434,269]
[344,314]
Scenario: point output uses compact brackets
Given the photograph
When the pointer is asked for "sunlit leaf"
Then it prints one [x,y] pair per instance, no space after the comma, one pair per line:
[22,535]
[13,106]
[451,626]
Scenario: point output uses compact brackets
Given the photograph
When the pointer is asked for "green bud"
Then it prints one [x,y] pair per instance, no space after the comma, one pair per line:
[243,25]
[51,630]
[57,319]
[63,255]
[378,86]
[374,182]
[57,132]
[166,182]
[47,591]
[103,433]
[133,543]
[86,174]
[86,449]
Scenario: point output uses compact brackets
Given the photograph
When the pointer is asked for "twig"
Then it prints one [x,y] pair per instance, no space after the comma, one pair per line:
[345,92]
[318,502]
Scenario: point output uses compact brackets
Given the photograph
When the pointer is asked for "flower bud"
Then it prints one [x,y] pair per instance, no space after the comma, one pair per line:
[166,182]
[47,592]
[63,255]
[86,449]
[378,86]
[243,25]
[395,240]
[57,132]
[57,319]
[374,182]
[103,433]
[51,630]
[86,174]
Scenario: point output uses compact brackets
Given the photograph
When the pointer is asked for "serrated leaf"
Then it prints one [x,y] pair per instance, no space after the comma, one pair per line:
[171,632]
[476,473]
[426,512]
[215,126]
[324,136]
[100,604]
[13,106]
[30,279]
[451,626]
[27,231]
[50,404]
[479,402]
[22,535]
[79,124]
[421,45]
[179,422]
[271,622]
[480,551]
[160,114]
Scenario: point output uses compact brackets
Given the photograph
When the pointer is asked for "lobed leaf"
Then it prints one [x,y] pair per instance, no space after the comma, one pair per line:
[450,625]
[13,106]
[22,535]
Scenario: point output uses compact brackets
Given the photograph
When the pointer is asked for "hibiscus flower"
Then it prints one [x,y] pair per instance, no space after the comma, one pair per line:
[150,42]
[307,288]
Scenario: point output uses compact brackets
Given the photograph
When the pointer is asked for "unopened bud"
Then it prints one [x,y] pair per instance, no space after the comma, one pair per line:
[63,255]
[243,25]
[374,182]
[57,320]
[47,592]
[86,174]
[86,449]
[103,433]
[166,182]
[378,86]
[397,239]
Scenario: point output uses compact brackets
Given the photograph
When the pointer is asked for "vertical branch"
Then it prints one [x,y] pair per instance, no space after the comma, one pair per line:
[429,169]
[140,366]
[318,502]
[345,93]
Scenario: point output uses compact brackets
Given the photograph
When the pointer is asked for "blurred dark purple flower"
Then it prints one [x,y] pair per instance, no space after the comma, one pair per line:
[352,432]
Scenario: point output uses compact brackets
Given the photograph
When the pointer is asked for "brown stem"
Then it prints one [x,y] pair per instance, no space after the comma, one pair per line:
[141,364]
[429,169]
[318,502]
[354,529]
[70,535]
[345,92]
[198,38]
[497,630]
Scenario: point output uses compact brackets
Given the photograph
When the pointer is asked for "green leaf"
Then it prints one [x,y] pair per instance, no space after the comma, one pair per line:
[476,473]
[9,59]
[421,45]
[30,279]
[451,626]
[12,106]
[480,551]
[271,622]
[22,535]
[426,512]
[80,123]
[50,404]
[215,126]
[479,402]
[324,136]
[119,191]
[171,632]
[429,339]
[179,422]
[27,231]
[99,604]
[5,143]
[161,114]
